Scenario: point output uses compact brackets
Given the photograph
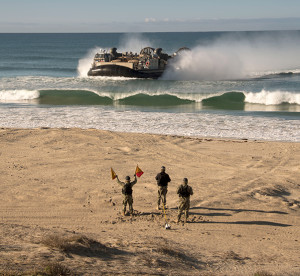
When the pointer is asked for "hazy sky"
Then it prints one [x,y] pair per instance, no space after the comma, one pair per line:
[147,15]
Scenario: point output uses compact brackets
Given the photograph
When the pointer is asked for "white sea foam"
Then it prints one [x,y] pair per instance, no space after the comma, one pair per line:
[183,96]
[185,124]
[105,78]
[273,72]
[18,95]
[272,97]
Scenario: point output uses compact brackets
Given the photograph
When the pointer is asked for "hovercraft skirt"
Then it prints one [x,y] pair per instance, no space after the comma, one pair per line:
[122,71]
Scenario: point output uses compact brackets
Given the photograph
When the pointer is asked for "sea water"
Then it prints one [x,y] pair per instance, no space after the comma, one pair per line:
[243,85]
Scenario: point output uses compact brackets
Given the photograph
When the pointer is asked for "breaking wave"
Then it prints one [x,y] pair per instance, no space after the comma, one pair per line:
[272,98]
[226,100]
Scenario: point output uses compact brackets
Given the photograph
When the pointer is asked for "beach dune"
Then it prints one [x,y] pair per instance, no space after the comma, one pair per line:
[60,209]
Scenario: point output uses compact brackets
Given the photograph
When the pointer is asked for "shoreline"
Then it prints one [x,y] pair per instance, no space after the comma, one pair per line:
[156,134]
[59,204]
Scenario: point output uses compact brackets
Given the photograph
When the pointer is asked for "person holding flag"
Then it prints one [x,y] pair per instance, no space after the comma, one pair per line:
[127,189]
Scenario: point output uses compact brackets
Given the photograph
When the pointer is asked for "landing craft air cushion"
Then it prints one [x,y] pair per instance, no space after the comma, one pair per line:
[150,63]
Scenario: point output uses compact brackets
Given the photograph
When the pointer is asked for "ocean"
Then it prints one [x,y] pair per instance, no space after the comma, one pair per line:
[241,85]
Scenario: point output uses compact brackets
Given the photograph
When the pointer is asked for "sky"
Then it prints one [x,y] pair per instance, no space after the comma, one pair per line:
[56,16]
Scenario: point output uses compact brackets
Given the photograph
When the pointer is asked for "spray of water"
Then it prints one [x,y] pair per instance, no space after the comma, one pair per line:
[203,63]
[133,43]
[234,57]
[85,63]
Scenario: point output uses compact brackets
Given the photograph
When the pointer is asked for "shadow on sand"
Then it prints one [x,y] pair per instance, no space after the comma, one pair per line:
[254,222]
[238,210]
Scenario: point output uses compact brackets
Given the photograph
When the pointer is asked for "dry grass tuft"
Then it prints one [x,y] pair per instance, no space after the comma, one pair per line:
[54,269]
[175,257]
[67,244]
[50,269]
[56,241]
[80,245]
[234,256]
[166,250]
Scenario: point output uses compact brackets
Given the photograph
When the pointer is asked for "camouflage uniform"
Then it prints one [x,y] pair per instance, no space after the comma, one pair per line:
[162,179]
[162,195]
[127,197]
[184,191]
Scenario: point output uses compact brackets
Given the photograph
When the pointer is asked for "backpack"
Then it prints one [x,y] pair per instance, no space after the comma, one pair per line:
[184,191]
[127,189]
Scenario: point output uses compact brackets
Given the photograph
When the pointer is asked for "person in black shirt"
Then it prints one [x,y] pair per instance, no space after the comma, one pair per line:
[162,179]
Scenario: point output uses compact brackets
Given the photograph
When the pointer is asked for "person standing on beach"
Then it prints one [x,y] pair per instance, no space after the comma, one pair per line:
[184,191]
[162,179]
[127,192]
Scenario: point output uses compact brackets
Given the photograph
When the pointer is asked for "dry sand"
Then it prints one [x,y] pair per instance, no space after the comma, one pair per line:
[60,209]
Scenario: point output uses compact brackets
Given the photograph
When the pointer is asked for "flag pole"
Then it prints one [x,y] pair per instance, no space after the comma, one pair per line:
[167,226]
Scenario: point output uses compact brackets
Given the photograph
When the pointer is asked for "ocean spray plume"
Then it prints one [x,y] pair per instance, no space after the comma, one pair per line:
[235,56]
[203,63]
[133,43]
[85,63]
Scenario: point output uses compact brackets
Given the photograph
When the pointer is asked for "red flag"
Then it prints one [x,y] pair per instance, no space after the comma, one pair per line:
[113,174]
[138,171]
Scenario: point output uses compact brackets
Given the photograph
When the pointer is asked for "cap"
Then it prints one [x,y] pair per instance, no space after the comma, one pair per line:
[127,177]
[185,180]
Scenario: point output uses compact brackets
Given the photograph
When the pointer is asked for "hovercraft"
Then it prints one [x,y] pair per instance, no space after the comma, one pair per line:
[149,63]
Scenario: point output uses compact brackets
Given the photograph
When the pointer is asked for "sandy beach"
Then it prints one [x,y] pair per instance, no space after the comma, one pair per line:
[61,210]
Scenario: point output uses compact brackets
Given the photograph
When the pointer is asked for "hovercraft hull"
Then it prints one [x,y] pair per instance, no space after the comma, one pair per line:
[122,71]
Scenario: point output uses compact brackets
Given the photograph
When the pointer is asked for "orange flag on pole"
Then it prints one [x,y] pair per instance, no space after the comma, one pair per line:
[138,171]
[113,174]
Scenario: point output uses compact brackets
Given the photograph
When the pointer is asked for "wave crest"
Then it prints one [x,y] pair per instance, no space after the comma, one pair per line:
[272,97]
[18,95]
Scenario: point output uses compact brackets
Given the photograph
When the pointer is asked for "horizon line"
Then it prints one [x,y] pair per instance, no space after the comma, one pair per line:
[114,32]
